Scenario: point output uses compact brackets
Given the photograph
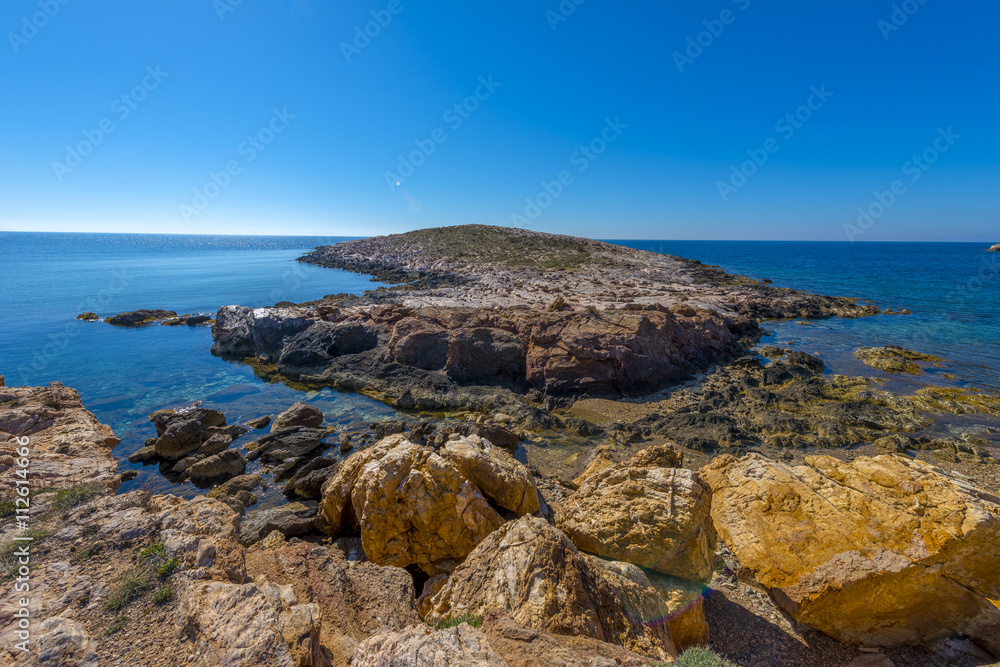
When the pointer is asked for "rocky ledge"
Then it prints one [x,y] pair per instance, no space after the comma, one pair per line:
[487,317]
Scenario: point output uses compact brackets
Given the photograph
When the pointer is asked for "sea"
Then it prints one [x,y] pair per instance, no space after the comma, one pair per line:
[47,279]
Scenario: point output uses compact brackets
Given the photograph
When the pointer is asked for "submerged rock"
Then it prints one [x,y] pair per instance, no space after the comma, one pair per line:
[88,317]
[881,551]
[411,505]
[532,571]
[647,512]
[893,359]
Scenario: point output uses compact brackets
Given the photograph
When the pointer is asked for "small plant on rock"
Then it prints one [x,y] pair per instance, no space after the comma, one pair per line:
[116,626]
[163,595]
[472,619]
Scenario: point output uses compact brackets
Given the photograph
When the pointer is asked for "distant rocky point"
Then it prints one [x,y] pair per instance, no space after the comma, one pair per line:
[995,248]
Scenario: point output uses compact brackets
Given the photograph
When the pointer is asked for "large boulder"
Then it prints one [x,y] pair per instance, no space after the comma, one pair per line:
[882,551]
[300,414]
[644,511]
[411,505]
[497,474]
[288,443]
[419,646]
[532,571]
[229,463]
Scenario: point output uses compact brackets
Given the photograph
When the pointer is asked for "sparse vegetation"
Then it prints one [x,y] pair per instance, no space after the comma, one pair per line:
[116,626]
[73,496]
[8,556]
[53,403]
[472,619]
[153,566]
[699,657]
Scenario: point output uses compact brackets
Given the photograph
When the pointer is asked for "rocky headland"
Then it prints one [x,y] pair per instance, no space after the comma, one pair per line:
[994,248]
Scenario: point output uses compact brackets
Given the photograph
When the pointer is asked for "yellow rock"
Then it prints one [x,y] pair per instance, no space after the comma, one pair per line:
[881,551]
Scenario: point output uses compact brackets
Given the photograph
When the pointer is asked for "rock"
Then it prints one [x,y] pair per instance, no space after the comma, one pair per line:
[68,445]
[501,436]
[241,332]
[881,551]
[64,642]
[143,455]
[229,463]
[289,443]
[532,571]
[893,359]
[290,520]
[260,422]
[345,443]
[137,318]
[894,444]
[411,505]
[308,481]
[189,320]
[233,486]
[421,646]
[217,443]
[994,248]
[300,414]
[557,304]
[497,474]
[812,362]
[182,437]
[644,512]
[88,317]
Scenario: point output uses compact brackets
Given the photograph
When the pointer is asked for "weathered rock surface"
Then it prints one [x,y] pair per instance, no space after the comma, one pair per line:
[994,248]
[66,443]
[646,513]
[533,572]
[137,318]
[418,646]
[882,551]
[290,520]
[893,359]
[88,317]
[308,481]
[497,474]
[288,443]
[300,414]
[229,463]
[410,504]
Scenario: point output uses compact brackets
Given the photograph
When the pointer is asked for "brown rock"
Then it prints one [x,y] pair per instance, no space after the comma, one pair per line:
[300,414]
[419,646]
[881,551]
[533,572]
[412,506]
[645,513]
[497,474]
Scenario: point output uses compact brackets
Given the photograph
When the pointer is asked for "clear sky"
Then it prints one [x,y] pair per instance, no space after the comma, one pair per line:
[605,119]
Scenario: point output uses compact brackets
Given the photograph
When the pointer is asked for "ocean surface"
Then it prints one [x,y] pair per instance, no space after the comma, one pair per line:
[46,280]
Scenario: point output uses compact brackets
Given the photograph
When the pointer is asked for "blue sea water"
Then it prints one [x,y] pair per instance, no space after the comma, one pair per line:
[952,291]
[125,374]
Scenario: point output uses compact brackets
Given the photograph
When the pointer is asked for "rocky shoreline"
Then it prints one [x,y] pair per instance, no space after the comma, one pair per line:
[456,552]
[596,465]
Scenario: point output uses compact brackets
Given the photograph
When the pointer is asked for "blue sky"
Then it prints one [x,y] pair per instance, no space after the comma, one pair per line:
[600,119]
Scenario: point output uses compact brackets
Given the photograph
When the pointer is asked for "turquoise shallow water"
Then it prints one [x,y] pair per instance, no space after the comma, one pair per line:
[124,374]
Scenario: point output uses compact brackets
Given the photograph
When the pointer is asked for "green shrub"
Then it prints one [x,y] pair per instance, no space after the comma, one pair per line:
[471,619]
[167,568]
[163,595]
[152,551]
[53,403]
[702,657]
